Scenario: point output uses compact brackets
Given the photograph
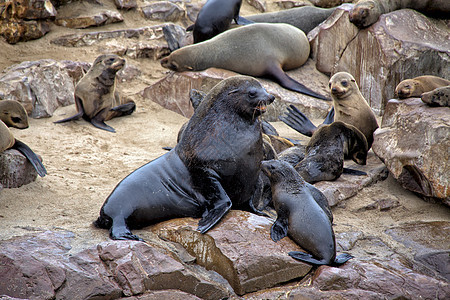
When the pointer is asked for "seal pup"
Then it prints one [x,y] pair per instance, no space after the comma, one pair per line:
[95,96]
[215,17]
[437,97]
[349,106]
[215,165]
[367,12]
[326,150]
[13,114]
[264,50]
[301,215]
[415,87]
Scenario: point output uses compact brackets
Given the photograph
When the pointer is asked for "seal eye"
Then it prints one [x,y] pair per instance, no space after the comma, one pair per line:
[329,84]
[344,83]
[252,94]
[110,60]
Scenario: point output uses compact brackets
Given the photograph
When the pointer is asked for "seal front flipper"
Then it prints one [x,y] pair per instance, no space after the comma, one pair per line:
[279,229]
[120,231]
[210,186]
[242,21]
[353,172]
[295,119]
[31,156]
[97,121]
[78,115]
[342,258]
[330,117]
[124,109]
[306,257]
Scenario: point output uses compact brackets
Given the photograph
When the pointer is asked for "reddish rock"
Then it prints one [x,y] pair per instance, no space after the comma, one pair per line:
[15,169]
[27,9]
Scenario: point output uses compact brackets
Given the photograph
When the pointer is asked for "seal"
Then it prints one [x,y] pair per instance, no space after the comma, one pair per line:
[349,106]
[264,50]
[215,165]
[215,17]
[415,87]
[95,96]
[367,12]
[437,97]
[305,18]
[6,138]
[303,215]
[13,114]
[326,150]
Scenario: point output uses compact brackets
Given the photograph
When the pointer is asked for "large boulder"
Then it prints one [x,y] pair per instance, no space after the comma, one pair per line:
[414,143]
[402,44]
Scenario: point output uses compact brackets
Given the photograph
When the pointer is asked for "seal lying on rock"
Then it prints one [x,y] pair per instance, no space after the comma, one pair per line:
[415,87]
[437,97]
[95,96]
[264,50]
[367,12]
[303,215]
[215,165]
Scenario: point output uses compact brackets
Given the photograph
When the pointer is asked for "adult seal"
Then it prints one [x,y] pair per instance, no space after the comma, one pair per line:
[415,87]
[13,114]
[264,50]
[437,97]
[96,98]
[367,12]
[215,17]
[215,165]
[303,214]
[349,106]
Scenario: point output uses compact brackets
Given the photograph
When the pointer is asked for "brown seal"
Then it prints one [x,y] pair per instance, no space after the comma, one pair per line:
[264,50]
[437,97]
[13,114]
[6,137]
[367,12]
[95,96]
[415,87]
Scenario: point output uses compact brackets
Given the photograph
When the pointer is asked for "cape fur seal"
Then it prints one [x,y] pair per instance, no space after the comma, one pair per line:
[349,106]
[303,214]
[264,50]
[367,12]
[215,165]
[437,97]
[326,150]
[13,114]
[215,17]
[415,87]
[95,96]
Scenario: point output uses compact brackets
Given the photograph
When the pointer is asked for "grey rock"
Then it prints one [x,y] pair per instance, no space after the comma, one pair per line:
[257,4]
[89,20]
[126,4]
[15,169]
[163,11]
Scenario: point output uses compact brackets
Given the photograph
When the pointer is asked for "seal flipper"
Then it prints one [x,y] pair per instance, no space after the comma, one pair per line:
[31,156]
[100,124]
[218,198]
[78,115]
[330,117]
[279,229]
[306,257]
[342,258]
[353,172]
[291,84]
[120,231]
[124,109]
[242,21]
[295,119]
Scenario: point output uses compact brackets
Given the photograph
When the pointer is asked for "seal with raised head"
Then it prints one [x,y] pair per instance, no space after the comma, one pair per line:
[326,150]
[303,214]
[215,17]
[415,87]
[349,106]
[215,165]
[264,50]
[437,97]
[95,96]
[367,12]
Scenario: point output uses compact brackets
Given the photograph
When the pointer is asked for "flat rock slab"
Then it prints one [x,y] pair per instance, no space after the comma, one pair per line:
[172,92]
[347,186]
[239,248]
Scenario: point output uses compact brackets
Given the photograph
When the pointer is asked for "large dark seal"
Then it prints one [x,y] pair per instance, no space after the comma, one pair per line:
[326,150]
[305,18]
[13,114]
[349,106]
[95,96]
[215,17]
[367,12]
[264,50]
[415,87]
[303,215]
[215,165]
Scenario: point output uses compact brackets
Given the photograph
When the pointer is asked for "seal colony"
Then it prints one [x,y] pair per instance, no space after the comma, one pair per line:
[264,50]
[215,165]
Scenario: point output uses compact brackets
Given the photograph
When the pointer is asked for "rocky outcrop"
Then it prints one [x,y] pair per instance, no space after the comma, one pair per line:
[172,92]
[15,169]
[414,143]
[402,44]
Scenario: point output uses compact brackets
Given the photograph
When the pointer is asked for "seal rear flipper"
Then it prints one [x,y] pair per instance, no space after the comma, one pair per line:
[295,119]
[342,258]
[330,117]
[279,229]
[354,172]
[31,156]
[306,257]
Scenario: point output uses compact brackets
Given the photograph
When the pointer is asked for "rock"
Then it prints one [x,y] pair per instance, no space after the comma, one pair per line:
[16,30]
[126,4]
[381,204]
[413,142]
[239,248]
[163,11]
[347,185]
[41,86]
[15,169]
[258,5]
[287,4]
[172,92]
[329,3]
[169,294]
[27,9]
[83,21]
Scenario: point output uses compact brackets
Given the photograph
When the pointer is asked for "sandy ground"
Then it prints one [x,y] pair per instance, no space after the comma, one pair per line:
[84,163]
